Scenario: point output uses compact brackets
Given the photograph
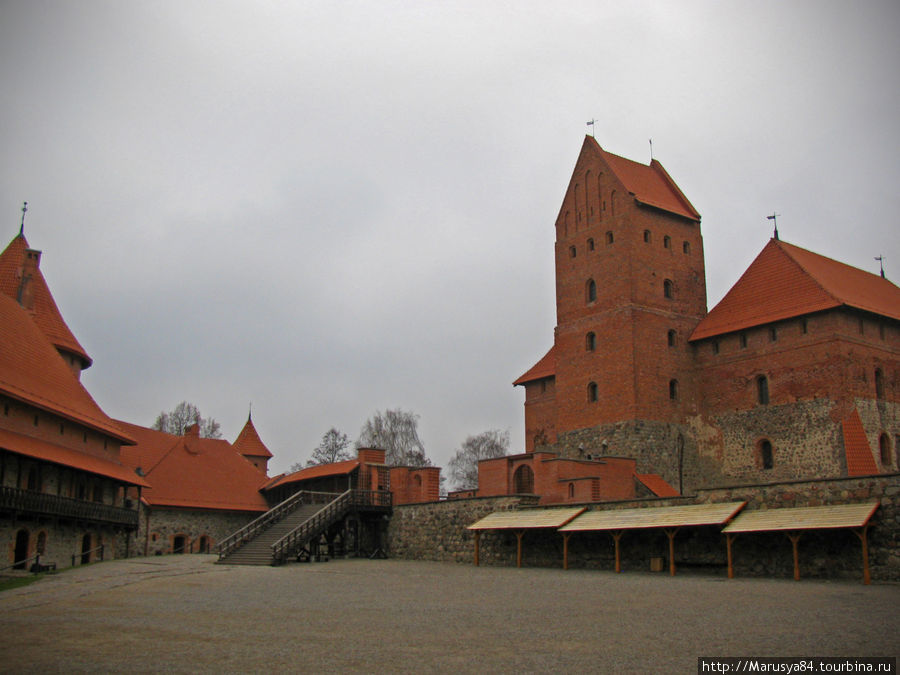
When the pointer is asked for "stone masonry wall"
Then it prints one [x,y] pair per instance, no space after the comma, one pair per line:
[166,524]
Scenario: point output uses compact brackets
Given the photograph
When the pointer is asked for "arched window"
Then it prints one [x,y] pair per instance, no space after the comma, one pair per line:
[20,554]
[571,490]
[592,392]
[523,480]
[686,247]
[591,290]
[646,236]
[879,383]
[667,242]
[590,341]
[609,237]
[668,289]
[572,252]
[673,390]
[590,244]
[670,337]
[884,447]
[762,390]
[766,454]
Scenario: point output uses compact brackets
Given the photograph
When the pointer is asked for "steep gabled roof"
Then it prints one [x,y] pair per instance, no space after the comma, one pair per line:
[249,444]
[648,184]
[786,281]
[860,461]
[45,313]
[546,367]
[32,371]
[193,472]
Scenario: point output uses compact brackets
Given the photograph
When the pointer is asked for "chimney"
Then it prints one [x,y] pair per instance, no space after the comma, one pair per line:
[31,263]
[192,438]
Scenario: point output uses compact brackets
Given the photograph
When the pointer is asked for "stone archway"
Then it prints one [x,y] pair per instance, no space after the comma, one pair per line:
[21,552]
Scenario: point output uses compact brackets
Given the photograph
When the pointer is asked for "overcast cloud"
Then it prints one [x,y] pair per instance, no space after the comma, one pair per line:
[333,208]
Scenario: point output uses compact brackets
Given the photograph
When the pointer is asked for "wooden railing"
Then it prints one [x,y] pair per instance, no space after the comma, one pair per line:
[273,515]
[291,543]
[27,501]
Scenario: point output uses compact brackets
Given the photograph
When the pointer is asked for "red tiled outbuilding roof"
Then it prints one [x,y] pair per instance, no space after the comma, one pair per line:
[546,367]
[45,313]
[193,472]
[318,471]
[860,461]
[648,184]
[786,281]
[32,371]
[249,444]
[657,485]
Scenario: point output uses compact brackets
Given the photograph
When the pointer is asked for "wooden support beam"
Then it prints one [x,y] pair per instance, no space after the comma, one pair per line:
[477,541]
[519,535]
[670,533]
[566,536]
[795,544]
[729,538]
[617,535]
[861,533]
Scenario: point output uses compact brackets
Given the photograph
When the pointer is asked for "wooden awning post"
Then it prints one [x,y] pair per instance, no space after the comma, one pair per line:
[566,536]
[477,540]
[861,533]
[729,538]
[617,535]
[795,544]
[519,535]
[670,533]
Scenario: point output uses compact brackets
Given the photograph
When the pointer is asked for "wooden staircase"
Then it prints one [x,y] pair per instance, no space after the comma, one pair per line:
[258,551]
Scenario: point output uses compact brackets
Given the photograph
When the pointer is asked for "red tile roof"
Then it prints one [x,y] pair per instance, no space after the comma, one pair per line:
[193,472]
[546,367]
[657,485]
[46,314]
[50,452]
[32,371]
[649,184]
[249,444]
[786,281]
[860,461]
[318,471]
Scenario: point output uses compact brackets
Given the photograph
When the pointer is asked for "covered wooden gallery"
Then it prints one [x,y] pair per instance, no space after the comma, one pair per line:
[671,519]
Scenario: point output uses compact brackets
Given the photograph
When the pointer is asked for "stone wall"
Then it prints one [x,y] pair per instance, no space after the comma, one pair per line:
[196,527]
[62,540]
[437,532]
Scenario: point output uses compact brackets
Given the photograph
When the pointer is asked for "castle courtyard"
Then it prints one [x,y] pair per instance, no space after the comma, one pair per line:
[187,614]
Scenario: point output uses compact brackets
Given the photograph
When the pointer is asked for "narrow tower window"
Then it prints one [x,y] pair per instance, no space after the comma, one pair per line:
[879,383]
[762,390]
[884,447]
[590,341]
[670,337]
[668,289]
[591,290]
[592,392]
[766,455]
[673,390]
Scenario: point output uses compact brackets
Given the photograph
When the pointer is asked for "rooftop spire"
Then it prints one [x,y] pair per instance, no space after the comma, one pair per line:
[24,210]
[774,217]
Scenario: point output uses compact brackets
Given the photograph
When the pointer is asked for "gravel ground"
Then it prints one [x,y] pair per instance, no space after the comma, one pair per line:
[185,614]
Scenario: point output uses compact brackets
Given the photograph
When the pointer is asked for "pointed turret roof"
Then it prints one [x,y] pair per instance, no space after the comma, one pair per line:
[45,312]
[786,281]
[249,444]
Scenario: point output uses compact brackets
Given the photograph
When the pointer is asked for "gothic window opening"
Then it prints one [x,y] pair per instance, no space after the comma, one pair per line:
[21,550]
[667,242]
[609,237]
[670,337]
[762,390]
[571,490]
[590,244]
[668,289]
[593,392]
[523,480]
[766,454]
[591,290]
[590,341]
[646,236]
[572,252]
[884,448]
[673,390]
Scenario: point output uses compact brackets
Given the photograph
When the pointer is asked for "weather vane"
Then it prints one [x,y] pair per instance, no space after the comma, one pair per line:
[591,125]
[774,217]
[880,259]
[24,209]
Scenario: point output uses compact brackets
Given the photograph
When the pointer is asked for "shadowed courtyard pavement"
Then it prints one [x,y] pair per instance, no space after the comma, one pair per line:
[185,614]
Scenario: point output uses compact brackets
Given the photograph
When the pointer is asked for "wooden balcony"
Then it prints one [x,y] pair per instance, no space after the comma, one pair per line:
[28,503]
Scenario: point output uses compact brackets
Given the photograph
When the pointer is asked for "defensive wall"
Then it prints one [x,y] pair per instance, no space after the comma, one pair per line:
[437,531]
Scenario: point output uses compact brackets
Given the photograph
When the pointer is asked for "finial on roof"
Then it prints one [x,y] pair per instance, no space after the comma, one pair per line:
[22,226]
[880,259]
[651,150]
[591,125]
[250,413]
[774,217]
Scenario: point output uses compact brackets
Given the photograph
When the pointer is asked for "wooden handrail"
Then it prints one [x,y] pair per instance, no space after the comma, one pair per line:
[66,507]
[273,515]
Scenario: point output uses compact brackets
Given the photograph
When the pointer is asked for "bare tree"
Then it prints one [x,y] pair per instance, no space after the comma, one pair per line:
[332,448]
[184,415]
[463,467]
[397,433]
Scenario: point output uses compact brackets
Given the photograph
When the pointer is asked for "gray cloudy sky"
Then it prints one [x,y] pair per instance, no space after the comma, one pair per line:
[333,208]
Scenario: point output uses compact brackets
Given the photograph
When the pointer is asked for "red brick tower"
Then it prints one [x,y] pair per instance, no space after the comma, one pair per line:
[630,289]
